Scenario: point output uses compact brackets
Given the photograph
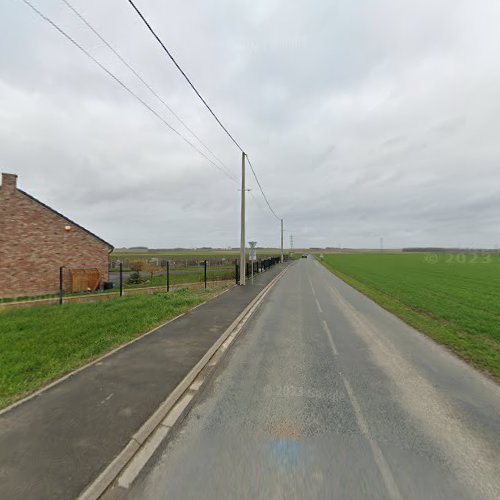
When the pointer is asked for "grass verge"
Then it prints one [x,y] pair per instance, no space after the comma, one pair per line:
[448,323]
[38,346]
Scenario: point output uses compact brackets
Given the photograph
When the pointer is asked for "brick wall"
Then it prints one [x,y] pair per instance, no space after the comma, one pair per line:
[34,244]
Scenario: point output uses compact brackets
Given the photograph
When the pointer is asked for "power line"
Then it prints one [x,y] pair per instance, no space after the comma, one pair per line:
[117,80]
[141,79]
[261,190]
[257,202]
[139,13]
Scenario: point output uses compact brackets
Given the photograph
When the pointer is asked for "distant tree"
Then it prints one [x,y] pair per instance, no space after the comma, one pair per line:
[136,265]
[152,268]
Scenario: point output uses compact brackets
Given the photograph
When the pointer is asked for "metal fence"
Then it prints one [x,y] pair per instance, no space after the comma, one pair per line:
[149,276]
[257,266]
[204,272]
[169,274]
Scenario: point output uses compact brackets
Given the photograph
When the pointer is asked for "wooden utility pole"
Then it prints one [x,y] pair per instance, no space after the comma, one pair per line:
[242,240]
[282,241]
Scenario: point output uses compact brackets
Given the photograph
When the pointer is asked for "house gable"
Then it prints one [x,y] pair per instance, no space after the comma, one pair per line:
[36,241]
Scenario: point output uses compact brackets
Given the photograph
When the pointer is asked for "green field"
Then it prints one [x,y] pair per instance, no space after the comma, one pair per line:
[177,255]
[42,344]
[453,298]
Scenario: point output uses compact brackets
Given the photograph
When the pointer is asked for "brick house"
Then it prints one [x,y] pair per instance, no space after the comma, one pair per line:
[35,241]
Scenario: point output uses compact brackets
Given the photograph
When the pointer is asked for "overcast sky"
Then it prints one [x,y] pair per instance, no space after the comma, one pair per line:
[363,119]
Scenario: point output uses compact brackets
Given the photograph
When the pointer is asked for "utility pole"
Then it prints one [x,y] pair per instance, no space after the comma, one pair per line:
[291,243]
[242,241]
[282,241]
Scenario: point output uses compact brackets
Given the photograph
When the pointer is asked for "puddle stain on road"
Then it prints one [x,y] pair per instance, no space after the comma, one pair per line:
[286,443]
[286,451]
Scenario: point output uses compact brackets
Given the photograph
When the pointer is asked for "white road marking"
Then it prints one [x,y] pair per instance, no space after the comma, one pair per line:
[107,398]
[330,338]
[317,303]
[315,297]
[312,288]
[385,471]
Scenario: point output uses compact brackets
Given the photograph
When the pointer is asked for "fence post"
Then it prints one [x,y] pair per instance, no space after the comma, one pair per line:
[236,271]
[205,266]
[168,276]
[121,279]
[61,284]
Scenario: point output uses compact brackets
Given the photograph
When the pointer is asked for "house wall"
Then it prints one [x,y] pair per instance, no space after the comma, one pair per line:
[34,244]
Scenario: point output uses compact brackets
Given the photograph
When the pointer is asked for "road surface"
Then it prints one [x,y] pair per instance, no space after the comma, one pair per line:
[326,395]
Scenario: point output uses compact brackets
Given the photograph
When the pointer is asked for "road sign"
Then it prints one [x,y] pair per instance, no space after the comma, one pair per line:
[253,251]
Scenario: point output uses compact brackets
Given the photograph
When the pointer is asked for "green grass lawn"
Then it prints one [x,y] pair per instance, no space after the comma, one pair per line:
[455,299]
[40,345]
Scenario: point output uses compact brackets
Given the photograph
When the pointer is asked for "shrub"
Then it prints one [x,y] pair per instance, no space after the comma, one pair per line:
[135,279]
[136,265]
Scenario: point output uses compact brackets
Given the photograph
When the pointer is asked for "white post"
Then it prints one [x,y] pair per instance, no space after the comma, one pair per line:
[242,241]
[252,244]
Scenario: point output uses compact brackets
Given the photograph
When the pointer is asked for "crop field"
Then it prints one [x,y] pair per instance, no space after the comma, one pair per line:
[453,298]
[182,255]
[185,259]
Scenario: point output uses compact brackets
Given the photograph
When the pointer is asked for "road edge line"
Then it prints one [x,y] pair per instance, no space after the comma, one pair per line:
[95,489]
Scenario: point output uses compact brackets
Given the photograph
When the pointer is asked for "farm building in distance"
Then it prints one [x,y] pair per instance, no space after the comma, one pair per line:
[36,241]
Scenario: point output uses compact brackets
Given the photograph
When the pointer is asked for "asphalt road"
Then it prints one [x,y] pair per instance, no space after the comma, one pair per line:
[326,395]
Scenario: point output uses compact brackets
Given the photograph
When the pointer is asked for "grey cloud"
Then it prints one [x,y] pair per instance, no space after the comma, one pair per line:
[362,120]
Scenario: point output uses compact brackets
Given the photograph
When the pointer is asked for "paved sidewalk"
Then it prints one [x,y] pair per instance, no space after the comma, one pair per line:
[54,445]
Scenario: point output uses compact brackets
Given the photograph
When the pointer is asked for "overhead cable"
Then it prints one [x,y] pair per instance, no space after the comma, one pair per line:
[141,79]
[261,190]
[141,15]
[124,86]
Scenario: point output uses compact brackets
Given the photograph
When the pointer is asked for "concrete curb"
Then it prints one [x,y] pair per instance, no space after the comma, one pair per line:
[102,357]
[115,468]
